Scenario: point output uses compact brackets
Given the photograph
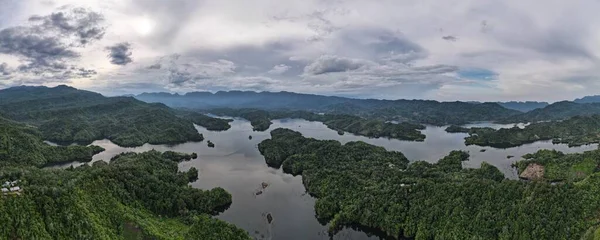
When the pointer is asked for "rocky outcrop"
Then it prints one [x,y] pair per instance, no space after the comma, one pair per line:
[533,171]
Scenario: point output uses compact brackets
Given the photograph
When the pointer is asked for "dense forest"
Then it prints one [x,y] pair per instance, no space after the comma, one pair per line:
[556,111]
[362,184]
[418,111]
[23,145]
[135,196]
[575,131]
[68,115]
[558,166]
[210,123]
[261,121]
[523,106]
[457,129]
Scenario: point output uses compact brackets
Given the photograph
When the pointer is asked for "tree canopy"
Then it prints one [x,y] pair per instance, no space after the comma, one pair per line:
[136,193]
[358,183]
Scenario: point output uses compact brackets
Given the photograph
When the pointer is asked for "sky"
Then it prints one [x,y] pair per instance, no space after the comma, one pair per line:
[474,50]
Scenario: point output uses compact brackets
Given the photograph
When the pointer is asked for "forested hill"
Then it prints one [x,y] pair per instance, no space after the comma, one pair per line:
[65,115]
[419,111]
[135,196]
[523,106]
[588,99]
[556,111]
[361,184]
[23,145]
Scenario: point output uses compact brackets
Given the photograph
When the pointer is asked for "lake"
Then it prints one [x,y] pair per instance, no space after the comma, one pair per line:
[236,165]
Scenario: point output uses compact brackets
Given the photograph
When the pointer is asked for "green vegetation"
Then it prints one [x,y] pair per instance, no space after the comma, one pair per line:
[136,195]
[23,145]
[457,129]
[210,123]
[210,144]
[576,131]
[417,111]
[178,157]
[562,167]
[362,184]
[261,121]
[556,111]
[68,115]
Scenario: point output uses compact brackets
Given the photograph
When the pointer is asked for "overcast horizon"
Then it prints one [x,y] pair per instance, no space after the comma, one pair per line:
[452,50]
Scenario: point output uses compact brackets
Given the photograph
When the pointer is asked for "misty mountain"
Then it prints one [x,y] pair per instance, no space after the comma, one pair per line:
[556,111]
[68,115]
[421,111]
[523,106]
[588,99]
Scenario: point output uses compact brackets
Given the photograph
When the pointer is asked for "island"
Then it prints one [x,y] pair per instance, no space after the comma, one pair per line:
[361,184]
[210,123]
[575,131]
[457,129]
[261,121]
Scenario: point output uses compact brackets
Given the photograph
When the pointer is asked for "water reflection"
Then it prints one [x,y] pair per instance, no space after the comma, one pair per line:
[236,165]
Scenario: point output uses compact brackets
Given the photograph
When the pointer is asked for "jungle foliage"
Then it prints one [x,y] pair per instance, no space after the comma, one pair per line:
[135,195]
[575,131]
[361,184]
[261,121]
[67,115]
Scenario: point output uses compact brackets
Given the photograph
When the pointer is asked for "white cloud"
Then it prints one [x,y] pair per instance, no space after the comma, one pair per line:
[539,50]
[279,69]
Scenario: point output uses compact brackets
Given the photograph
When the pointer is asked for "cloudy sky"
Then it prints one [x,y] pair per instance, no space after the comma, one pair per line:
[427,49]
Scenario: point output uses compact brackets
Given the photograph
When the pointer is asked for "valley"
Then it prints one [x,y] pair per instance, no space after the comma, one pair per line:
[285,181]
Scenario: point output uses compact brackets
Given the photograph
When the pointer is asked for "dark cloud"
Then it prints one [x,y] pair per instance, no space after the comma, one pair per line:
[120,53]
[435,69]
[25,43]
[377,44]
[450,38]
[178,78]
[331,64]
[155,66]
[486,27]
[4,70]
[83,25]
[47,46]
[191,71]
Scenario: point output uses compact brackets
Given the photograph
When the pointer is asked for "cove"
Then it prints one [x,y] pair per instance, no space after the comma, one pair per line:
[236,165]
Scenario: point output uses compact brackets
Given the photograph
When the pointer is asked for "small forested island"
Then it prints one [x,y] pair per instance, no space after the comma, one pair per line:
[575,131]
[67,115]
[261,121]
[457,129]
[210,144]
[361,184]
[210,123]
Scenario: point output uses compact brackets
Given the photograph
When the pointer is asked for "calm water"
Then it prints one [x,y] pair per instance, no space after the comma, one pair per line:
[236,165]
